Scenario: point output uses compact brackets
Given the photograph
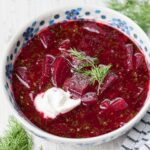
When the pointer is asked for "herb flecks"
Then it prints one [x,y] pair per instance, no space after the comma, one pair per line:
[137,10]
[16,138]
[97,73]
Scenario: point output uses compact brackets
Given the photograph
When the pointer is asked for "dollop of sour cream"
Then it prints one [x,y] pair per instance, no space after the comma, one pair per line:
[55,101]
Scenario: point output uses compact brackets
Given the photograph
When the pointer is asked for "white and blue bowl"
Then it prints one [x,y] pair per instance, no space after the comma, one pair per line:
[98,14]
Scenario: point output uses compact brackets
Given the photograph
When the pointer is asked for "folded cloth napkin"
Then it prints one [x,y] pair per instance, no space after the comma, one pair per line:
[139,137]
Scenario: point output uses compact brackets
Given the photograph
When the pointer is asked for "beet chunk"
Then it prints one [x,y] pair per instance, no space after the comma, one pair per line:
[78,84]
[129,55]
[22,76]
[138,91]
[49,59]
[60,71]
[116,104]
[46,36]
[64,45]
[105,104]
[119,104]
[22,73]
[46,69]
[89,98]
[138,60]
[93,28]
[108,81]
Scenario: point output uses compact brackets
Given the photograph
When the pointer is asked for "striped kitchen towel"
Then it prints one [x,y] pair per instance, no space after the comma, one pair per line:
[139,137]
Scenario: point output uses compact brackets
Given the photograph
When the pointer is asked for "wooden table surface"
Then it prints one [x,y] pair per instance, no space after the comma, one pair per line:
[14,14]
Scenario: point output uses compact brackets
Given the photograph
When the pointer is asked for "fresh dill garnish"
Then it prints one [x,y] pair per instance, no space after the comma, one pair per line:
[15,138]
[96,73]
[138,10]
[81,67]
[86,60]
[78,55]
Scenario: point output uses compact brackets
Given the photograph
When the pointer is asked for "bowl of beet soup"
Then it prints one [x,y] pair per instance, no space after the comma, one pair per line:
[79,75]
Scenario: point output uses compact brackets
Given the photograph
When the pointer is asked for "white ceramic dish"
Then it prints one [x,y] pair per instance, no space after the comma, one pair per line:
[99,14]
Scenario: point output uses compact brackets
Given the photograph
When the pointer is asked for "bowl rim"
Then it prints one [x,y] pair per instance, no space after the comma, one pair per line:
[41,133]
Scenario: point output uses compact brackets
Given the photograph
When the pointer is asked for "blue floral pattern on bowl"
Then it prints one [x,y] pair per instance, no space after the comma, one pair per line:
[98,14]
[9,70]
[28,33]
[121,24]
[72,14]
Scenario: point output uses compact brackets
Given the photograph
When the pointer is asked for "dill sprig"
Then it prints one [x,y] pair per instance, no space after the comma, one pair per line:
[96,73]
[137,10]
[79,55]
[15,138]
[88,61]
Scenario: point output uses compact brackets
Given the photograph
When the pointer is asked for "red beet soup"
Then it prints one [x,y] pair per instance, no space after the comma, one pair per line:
[95,63]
